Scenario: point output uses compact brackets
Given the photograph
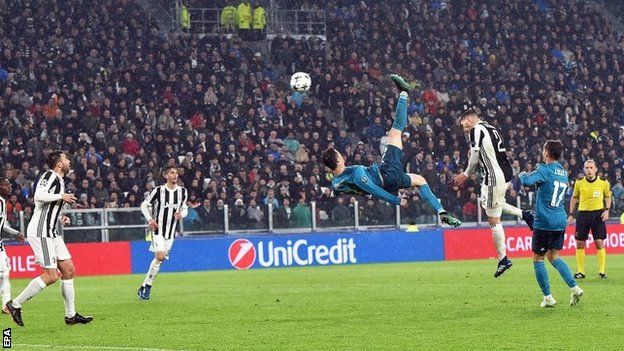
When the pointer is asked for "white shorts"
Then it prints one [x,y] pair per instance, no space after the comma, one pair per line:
[493,199]
[160,244]
[5,264]
[48,251]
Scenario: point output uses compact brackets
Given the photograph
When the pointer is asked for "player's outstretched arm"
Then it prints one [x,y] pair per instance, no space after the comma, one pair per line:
[528,179]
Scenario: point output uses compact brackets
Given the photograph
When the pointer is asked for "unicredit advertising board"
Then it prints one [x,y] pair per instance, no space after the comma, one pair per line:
[300,250]
[476,243]
[268,251]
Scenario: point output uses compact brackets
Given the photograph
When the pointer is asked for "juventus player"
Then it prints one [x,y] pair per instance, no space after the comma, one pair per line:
[489,152]
[5,266]
[49,248]
[168,203]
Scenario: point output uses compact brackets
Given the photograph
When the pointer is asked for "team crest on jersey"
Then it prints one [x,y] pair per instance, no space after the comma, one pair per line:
[44,183]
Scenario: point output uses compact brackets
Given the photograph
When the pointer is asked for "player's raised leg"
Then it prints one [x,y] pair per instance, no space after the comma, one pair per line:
[400,115]
[394,139]
[527,216]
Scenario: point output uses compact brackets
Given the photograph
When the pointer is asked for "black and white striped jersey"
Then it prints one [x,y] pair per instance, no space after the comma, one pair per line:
[48,205]
[4,226]
[488,142]
[161,205]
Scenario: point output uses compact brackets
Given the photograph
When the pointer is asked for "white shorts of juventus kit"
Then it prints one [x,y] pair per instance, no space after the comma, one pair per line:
[48,251]
[159,244]
[493,199]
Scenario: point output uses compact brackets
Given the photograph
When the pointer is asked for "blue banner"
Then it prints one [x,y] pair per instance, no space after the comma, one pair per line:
[267,251]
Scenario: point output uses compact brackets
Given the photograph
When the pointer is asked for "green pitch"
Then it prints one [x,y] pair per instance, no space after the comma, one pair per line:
[416,306]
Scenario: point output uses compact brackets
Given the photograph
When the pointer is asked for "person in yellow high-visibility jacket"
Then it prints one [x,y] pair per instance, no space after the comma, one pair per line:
[244,17]
[259,22]
[229,18]
[185,18]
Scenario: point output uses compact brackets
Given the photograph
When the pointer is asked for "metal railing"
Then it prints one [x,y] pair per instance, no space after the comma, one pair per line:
[122,224]
[295,23]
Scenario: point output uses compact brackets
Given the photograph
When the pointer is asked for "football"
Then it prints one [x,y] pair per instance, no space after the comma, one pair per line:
[300,82]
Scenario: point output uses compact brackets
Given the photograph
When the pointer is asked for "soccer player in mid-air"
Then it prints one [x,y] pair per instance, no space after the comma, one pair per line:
[489,152]
[5,267]
[168,203]
[385,179]
[48,246]
[551,180]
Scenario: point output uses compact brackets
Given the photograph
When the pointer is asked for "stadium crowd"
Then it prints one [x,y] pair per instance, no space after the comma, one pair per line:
[124,100]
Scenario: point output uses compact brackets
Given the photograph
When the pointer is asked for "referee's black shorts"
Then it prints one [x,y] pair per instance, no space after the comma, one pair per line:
[590,220]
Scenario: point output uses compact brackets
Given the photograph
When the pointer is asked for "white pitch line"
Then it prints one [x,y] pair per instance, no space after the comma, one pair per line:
[70,347]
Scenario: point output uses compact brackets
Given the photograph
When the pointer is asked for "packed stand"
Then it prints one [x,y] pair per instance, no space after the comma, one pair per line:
[125,100]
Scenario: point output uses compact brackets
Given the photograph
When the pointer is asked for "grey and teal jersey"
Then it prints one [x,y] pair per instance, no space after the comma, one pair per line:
[551,180]
[361,180]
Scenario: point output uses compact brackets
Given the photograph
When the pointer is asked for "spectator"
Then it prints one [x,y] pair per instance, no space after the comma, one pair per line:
[617,192]
[130,146]
[342,216]
[283,216]
[259,22]
[245,17]
[100,193]
[301,216]
[255,215]
[469,210]
[239,220]
[191,221]
[229,17]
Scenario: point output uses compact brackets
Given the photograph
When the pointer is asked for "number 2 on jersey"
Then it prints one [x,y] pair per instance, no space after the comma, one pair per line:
[499,140]
[558,193]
